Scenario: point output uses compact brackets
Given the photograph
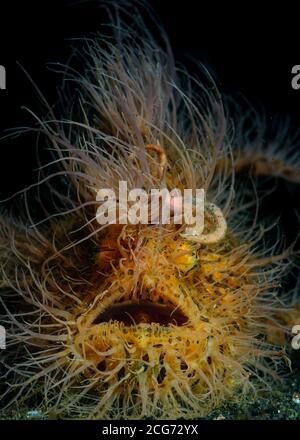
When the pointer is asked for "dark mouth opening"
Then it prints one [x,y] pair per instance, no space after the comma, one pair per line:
[142,312]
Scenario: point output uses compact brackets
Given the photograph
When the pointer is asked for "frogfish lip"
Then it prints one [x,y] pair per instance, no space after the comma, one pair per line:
[132,313]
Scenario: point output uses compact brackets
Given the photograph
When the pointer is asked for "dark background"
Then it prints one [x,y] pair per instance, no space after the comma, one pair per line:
[251,49]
